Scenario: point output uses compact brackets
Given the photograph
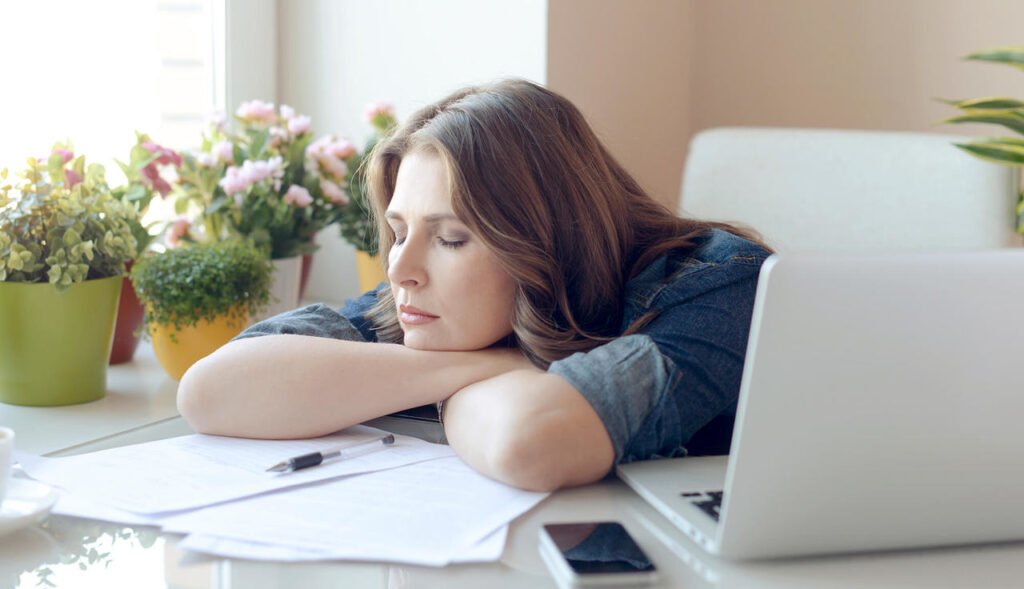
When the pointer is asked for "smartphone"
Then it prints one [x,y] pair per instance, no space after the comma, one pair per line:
[594,554]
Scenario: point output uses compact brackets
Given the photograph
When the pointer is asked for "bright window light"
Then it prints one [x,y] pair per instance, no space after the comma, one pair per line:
[95,72]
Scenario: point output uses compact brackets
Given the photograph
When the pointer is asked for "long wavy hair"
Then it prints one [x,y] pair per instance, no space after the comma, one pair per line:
[531,179]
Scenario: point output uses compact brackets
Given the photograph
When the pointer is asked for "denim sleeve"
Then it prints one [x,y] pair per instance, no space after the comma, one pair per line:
[320,320]
[656,388]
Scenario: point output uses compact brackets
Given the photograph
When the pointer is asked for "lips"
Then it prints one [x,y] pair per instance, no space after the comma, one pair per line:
[410,310]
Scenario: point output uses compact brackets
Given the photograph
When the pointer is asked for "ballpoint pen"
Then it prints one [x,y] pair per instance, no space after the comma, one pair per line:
[339,452]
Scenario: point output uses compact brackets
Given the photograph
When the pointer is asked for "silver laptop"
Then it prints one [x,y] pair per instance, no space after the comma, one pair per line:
[881,407]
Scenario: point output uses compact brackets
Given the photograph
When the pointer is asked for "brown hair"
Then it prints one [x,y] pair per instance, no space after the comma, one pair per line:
[531,179]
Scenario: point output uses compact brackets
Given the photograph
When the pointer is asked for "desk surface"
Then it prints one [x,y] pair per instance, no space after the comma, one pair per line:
[71,552]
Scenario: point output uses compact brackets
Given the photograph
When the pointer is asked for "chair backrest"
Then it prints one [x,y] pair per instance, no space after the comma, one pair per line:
[850,191]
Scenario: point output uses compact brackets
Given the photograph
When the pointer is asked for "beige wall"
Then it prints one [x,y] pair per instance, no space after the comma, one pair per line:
[869,64]
[336,56]
[651,73]
[626,65]
[648,74]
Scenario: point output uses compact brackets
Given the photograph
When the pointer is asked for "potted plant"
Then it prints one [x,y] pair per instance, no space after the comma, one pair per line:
[252,182]
[143,183]
[64,241]
[197,297]
[340,171]
[998,110]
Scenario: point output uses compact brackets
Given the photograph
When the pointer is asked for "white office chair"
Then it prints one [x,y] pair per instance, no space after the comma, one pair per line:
[850,191]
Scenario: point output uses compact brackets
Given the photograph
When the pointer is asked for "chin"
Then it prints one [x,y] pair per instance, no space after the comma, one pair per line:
[426,343]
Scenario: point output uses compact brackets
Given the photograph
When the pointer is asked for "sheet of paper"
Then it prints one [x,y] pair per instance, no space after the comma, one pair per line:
[425,513]
[487,550]
[192,471]
[78,506]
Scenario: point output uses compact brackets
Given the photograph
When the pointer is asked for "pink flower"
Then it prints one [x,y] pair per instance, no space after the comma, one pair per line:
[224,152]
[376,109]
[298,196]
[237,180]
[165,156]
[335,166]
[318,147]
[72,178]
[217,120]
[65,155]
[260,170]
[176,231]
[333,192]
[151,178]
[287,112]
[257,111]
[234,181]
[205,160]
[277,135]
[299,125]
[342,148]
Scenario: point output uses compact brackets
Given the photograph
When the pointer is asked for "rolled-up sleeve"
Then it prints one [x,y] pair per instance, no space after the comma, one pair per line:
[655,389]
[320,320]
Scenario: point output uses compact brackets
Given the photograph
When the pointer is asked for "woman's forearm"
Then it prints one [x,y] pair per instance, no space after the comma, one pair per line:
[294,386]
[530,429]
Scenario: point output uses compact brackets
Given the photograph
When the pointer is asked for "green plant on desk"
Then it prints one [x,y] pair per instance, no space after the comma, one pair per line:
[64,241]
[197,297]
[997,110]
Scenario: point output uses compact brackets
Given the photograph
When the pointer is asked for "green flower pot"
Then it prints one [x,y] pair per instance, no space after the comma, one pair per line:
[54,346]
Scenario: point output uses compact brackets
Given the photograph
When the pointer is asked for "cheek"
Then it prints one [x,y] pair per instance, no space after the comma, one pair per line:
[492,294]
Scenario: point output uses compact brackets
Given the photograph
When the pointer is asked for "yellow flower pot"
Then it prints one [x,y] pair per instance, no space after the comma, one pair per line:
[371,271]
[178,349]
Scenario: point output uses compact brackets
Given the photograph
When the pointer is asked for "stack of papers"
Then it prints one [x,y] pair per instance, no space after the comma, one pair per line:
[412,502]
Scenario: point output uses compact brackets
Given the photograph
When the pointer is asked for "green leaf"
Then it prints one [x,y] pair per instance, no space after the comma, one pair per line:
[136,193]
[258,142]
[180,206]
[994,151]
[185,285]
[1011,119]
[989,103]
[1011,55]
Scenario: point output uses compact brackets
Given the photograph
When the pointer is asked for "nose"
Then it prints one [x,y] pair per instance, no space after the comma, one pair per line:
[406,266]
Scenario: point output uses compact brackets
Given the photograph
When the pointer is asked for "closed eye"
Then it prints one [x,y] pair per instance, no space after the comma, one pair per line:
[450,244]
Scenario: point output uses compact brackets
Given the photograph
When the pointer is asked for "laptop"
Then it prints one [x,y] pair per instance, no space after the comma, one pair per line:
[881,407]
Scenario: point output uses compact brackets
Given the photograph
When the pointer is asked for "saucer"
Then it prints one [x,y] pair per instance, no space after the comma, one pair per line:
[27,502]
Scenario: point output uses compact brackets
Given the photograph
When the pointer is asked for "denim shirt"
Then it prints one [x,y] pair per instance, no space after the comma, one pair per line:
[669,389]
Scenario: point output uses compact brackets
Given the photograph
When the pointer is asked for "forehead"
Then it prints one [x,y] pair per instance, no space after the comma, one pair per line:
[421,187]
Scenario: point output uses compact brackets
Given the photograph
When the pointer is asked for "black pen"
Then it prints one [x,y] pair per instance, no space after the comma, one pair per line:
[307,460]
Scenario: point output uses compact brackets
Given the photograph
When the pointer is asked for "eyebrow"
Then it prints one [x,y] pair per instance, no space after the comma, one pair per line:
[430,219]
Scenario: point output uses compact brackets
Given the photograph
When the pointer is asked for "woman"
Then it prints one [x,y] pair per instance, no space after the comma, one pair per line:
[567,320]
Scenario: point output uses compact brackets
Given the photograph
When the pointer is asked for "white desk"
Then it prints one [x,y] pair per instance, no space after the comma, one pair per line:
[70,552]
[139,394]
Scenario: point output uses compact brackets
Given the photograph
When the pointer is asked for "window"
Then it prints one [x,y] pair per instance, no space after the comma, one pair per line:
[95,72]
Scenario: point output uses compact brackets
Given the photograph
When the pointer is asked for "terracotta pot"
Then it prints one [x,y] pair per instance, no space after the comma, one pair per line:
[307,265]
[129,319]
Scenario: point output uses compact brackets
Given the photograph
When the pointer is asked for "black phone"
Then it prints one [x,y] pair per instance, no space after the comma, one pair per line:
[590,554]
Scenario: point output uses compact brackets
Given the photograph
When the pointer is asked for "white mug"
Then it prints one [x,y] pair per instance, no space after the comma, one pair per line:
[6,449]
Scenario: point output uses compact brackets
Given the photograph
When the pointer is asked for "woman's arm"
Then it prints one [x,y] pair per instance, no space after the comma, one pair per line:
[295,386]
[529,429]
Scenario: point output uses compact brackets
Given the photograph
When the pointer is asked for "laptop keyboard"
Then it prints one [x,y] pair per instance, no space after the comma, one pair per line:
[710,502]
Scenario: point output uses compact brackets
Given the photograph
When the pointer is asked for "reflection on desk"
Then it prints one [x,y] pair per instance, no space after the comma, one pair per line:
[70,552]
